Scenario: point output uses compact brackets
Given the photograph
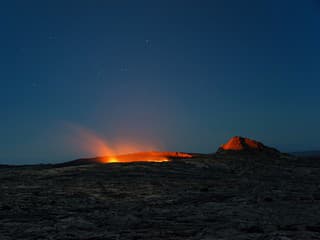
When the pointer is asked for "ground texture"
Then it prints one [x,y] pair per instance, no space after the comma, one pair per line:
[234,197]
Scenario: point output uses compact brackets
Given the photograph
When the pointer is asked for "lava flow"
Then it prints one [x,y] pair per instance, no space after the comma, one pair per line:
[152,156]
[120,151]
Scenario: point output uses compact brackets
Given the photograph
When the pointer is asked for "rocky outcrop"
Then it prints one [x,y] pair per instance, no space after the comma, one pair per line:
[245,145]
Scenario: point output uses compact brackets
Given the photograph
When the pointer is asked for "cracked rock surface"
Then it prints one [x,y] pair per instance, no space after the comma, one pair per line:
[218,198]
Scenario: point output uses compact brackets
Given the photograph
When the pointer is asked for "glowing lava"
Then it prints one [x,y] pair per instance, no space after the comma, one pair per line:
[121,151]
[152,156]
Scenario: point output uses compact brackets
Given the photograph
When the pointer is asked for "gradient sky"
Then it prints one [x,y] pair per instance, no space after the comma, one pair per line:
[185,74]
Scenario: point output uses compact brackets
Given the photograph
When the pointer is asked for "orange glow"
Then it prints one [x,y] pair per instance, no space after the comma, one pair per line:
[120,152]
[145,157]
[239,143]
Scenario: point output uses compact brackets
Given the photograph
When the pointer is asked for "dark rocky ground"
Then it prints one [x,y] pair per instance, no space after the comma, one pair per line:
[235,197]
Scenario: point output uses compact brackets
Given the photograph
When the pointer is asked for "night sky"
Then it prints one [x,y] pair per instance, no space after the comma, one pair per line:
[185,75]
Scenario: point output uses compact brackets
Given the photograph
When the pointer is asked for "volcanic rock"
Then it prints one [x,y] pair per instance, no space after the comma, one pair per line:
[194,199]
[245,145]
[151,156]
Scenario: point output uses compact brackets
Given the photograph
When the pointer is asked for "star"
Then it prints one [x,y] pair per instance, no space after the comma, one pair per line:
[147,43]
[124,68]
[34,84]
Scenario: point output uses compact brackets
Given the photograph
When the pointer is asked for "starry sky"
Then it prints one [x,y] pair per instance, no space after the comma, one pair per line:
[185,74]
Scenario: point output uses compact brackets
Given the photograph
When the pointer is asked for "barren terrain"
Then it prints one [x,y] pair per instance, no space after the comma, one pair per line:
[226,197]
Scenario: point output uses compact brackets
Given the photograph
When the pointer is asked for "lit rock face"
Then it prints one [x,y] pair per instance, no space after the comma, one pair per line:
[241,144]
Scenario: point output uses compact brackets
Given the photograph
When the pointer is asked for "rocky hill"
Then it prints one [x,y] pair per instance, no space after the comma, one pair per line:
[244,145]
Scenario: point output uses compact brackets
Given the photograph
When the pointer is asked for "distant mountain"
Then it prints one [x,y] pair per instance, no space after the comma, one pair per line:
[306,154]
[4,165]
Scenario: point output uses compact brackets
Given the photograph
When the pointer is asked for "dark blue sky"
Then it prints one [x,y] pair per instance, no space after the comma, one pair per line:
[187,74]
